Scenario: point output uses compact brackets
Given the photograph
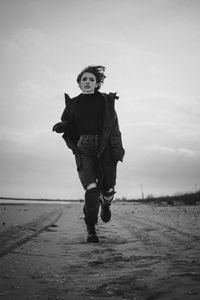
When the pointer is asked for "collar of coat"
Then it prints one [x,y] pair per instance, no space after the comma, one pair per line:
[110,96]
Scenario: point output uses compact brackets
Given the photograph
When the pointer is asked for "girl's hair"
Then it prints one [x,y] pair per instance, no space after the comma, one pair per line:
[97,71]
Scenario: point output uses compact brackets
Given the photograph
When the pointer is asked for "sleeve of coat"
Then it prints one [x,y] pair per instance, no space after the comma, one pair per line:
[117,149]
[70,135]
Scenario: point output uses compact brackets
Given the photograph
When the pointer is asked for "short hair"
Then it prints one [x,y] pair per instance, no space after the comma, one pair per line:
[97,71]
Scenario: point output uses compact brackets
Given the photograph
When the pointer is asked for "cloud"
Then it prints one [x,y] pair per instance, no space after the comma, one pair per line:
[40,166]
[161,148]
[179,151]
[188,152]
[27,41]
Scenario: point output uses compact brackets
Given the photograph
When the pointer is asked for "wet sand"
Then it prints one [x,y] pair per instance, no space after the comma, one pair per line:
[145,252]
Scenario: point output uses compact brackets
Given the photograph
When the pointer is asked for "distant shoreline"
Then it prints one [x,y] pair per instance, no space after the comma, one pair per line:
[187,199]
[40,199]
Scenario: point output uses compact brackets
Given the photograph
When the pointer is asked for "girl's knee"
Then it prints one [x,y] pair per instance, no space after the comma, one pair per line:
[91,186]
[108,195]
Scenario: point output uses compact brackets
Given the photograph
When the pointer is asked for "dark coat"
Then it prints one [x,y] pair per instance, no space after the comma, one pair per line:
[111,135]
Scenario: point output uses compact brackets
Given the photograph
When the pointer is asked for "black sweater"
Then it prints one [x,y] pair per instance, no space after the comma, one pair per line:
[89,113]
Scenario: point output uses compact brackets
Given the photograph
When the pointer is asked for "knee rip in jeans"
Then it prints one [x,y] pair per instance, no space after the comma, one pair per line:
[91,186]
[108,196]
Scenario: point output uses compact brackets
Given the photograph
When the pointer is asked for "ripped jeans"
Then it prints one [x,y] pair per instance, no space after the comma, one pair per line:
[92,169]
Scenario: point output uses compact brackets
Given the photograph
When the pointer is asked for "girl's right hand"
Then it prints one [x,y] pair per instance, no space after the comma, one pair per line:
[59,127]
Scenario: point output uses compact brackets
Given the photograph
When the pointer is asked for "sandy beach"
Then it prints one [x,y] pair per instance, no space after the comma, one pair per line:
[145,252]
[19,214]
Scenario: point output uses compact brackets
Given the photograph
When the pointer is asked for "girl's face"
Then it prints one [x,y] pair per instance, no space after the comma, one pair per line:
[88,83]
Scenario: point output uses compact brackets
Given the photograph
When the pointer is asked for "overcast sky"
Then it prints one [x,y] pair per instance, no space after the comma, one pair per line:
[150,49]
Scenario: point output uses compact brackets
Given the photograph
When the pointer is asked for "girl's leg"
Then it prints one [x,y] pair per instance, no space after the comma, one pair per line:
[91,206]
[91,210]
[87,175]
[108,181]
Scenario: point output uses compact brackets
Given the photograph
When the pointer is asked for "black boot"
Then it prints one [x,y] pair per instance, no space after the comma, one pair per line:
[92,235]
[105,212]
